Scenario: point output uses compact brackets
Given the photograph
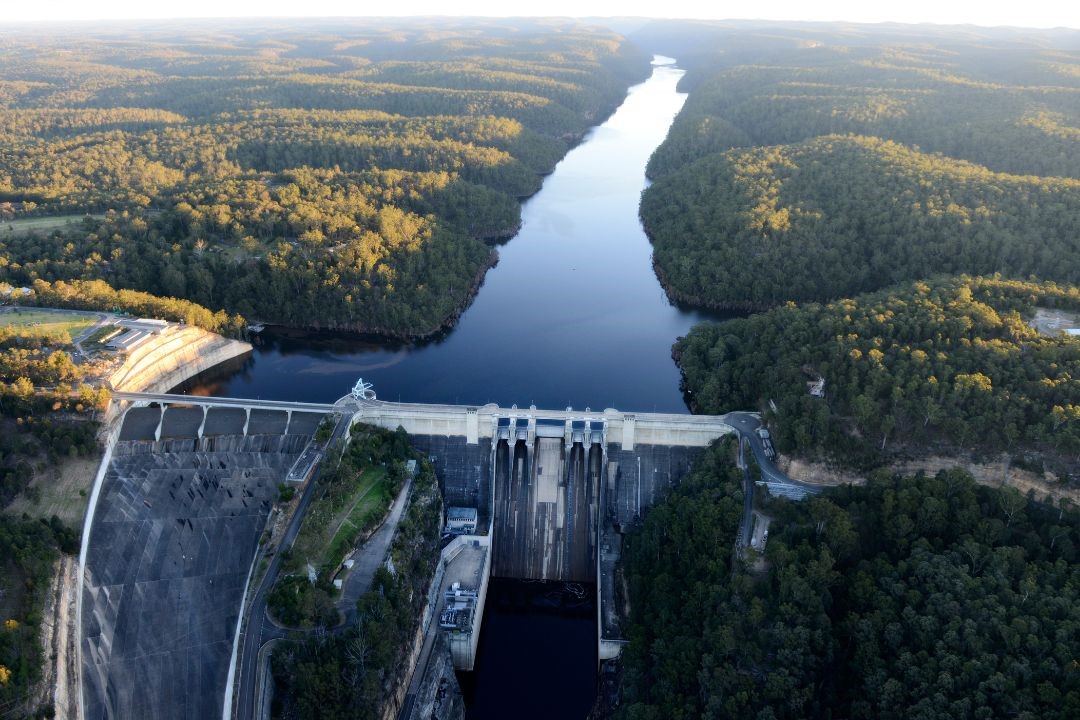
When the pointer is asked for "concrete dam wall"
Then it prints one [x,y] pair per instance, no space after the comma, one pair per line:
[170,544]
[544,483]
[166,360]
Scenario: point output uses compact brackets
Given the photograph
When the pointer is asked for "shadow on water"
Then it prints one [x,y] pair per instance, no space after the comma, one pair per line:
[537,652]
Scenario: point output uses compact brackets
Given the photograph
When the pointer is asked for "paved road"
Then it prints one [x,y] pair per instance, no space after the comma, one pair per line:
[748,497]
[747,424]
[370,558]
[260,630]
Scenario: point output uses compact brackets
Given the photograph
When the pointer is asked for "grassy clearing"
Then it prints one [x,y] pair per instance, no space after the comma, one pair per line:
[48,323]
[62,489]
[364,513]
[43,224]
[100,335]
[335,520]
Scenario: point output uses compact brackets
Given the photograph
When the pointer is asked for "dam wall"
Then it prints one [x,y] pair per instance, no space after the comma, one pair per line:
[476,423]
[463,470]
[166,360]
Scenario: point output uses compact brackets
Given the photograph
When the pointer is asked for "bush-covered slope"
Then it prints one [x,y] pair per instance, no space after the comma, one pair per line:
[1012,104]
[940,364]
[907,598]
[839,215]
[344,177]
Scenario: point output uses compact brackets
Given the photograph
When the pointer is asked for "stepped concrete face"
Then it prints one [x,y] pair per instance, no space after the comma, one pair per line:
[171,541]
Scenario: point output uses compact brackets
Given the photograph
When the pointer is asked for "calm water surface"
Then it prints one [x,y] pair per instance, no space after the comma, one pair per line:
[572,315]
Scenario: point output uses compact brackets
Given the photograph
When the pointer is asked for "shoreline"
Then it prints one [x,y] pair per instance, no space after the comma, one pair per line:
[381,333]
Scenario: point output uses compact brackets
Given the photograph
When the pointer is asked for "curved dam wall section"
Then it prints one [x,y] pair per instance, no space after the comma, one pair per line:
[166,360]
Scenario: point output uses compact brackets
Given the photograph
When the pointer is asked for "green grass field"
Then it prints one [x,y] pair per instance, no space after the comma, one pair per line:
[43,224]
[331,527]
[48,323]
[366,509]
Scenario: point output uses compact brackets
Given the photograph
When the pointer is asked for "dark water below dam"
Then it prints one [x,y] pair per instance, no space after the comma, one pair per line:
[537,653]
[573,314]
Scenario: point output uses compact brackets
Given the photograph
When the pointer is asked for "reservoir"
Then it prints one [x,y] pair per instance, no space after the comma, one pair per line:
[573,314]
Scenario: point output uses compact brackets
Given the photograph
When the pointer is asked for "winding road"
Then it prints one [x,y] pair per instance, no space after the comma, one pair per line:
[746,424]
[259,628]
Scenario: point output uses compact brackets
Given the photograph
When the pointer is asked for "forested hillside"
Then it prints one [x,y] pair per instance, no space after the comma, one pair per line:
[1009,101]
[916,191]
[815,161]
[342,177]
[909,597]
[946,364]
[839,215]
[38,434]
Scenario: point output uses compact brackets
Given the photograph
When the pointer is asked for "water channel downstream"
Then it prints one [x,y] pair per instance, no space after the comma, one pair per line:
[572,315]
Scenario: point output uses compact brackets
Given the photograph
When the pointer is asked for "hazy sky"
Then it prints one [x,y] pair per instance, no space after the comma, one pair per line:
[1028,13]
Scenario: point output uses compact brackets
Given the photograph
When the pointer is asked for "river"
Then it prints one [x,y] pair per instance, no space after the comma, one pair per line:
[573,314]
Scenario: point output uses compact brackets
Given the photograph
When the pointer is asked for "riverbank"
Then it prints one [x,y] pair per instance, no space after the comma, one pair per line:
[693,301]
[379,333]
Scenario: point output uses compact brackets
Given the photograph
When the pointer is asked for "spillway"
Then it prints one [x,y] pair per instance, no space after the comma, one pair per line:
[545,510]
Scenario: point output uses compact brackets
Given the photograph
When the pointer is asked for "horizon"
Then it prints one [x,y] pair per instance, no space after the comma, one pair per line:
[1036,15]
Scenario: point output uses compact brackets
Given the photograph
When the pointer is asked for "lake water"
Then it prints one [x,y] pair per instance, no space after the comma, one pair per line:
[572,315]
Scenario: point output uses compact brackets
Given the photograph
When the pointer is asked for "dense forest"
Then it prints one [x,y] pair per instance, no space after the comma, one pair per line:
[348,181]
[839,215]
[28,553]
[945,364]
[910,597]
[814,162]
[1008,100]
[900,208]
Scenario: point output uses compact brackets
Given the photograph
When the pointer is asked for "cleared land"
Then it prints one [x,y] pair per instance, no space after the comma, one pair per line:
[60,490]
[49,323]
[44,224]
[363,513]
[1054,321]
[335,521]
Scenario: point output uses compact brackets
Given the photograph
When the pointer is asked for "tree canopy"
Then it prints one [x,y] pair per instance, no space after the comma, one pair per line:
[346,183]
[944,364]
[911,597]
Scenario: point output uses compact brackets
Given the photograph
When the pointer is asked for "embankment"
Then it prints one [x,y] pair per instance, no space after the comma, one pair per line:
[166,360]
[1047,487]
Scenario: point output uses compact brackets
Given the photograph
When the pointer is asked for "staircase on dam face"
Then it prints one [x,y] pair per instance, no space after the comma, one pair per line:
[546,508]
